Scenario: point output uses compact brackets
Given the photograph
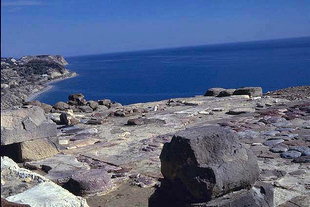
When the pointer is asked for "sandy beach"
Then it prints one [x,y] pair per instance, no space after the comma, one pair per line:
[48,86]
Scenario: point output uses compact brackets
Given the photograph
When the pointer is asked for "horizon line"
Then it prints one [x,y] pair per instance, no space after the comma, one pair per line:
[185,46]
[164,48]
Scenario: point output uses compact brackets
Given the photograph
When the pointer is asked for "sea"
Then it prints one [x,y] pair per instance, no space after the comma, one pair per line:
[152,75]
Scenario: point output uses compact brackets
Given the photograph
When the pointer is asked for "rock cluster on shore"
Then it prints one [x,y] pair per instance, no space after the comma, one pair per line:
[27,75]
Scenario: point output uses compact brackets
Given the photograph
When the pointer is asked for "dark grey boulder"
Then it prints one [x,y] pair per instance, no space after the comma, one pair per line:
[251,91]
[67,119]
[77,99]
[25,124]
[105,102]
[279,148]
[141,121]
[273,142]
[213,91]
[95,121]
[207,162]
[305,151]
[291,154]
[226,92]
[302,159]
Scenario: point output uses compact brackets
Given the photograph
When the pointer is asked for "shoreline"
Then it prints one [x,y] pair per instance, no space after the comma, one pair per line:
[48,86]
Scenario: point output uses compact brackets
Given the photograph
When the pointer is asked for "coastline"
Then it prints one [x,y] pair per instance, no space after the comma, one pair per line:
[48,86]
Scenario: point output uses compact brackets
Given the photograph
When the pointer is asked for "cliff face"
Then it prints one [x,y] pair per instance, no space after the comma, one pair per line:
[27,75]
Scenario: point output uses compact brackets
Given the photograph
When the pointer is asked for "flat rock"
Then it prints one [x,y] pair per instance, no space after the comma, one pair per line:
[60,167]
[48,194]
[142,121]
[290,154]
[95,121]
[241,110]
[305,151]
[273,142]
[89,182]
[298,201]
[26,187]
[259,196]
[302,159]
[279,148]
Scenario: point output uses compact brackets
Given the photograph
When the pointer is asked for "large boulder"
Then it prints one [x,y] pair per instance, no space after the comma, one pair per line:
[251,91]
[61,106]
[25,124]
[214,91]
[36,150]
[207,162]
[29,150]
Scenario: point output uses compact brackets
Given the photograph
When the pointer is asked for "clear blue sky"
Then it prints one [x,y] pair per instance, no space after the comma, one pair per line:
[77,27]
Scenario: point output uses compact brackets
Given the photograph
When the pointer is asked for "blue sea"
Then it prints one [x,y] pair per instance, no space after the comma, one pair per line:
[143,76]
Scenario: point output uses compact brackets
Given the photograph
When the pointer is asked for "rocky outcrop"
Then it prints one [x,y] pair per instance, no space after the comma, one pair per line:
[221,92]
[46,58]
[25,133]
[27,75]
[22,186]
[25,124]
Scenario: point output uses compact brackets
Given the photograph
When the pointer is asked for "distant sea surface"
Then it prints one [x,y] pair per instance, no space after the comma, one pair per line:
[133,77]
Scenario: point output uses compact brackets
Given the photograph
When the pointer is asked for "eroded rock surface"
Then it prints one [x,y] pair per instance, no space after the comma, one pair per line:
[208,162]
[22,186]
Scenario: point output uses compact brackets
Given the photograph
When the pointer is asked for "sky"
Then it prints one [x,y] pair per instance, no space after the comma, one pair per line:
[80,27]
